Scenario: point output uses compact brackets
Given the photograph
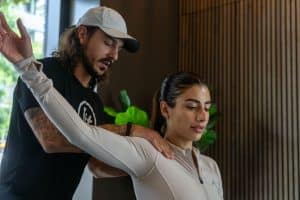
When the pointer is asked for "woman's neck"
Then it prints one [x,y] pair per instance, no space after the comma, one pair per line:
[180,142]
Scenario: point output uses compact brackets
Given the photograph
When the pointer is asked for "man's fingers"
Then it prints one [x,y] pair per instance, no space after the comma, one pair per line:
[23,31]
[2,30]
[157,145]
[163,147]
[168,154]
[157,141]
[167,151]
[2,37]
[3,23]
[1,43]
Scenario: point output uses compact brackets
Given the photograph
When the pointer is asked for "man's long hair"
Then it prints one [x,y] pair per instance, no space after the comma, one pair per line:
[70,52]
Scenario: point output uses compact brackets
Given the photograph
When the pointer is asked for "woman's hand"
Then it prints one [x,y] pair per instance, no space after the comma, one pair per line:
[13,47]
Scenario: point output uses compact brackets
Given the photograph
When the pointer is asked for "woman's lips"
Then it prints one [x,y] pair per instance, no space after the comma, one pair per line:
[198,129]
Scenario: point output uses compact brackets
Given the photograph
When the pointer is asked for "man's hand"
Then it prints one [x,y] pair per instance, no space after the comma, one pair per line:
[13,47]
[154,138]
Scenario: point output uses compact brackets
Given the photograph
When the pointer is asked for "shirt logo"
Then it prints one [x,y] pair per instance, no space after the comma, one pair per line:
[86,112]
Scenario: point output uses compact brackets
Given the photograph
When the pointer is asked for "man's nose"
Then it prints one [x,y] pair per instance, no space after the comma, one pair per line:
[114,53]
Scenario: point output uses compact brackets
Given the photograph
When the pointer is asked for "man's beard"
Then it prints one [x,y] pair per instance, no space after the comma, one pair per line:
[89,67]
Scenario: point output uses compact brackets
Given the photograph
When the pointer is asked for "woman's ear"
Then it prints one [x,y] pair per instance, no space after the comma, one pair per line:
[164,109]
[82,34]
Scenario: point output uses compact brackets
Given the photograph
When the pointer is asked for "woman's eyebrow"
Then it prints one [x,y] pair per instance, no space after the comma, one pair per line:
[198,102]
[193,100]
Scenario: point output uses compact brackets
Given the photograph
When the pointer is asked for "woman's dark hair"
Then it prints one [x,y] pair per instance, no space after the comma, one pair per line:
[70,51]
[172,86]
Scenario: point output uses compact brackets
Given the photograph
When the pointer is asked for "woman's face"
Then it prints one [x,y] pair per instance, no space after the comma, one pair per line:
[187,120]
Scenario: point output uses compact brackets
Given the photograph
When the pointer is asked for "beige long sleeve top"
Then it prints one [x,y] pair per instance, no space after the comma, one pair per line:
[154,176]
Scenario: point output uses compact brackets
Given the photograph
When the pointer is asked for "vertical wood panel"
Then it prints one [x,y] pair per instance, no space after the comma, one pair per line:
[278,98]
[297,98]
[273,89]
[248,51]
[242,50]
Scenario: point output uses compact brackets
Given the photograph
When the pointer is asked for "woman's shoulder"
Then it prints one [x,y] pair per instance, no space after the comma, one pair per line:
[146,155]
[143,146]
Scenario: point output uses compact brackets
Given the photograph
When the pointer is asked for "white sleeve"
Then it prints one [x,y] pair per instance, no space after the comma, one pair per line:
[136,156]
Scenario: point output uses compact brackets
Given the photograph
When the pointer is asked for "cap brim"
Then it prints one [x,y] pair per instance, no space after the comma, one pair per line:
[130,43]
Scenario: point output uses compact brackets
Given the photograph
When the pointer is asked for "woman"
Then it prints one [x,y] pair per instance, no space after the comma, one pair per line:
[183,103]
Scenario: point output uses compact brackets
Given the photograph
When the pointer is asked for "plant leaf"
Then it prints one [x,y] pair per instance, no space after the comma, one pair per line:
[134,115]
[110,111]
[208,137]
[124,99]
[212,110]
[212,122]
[122,118]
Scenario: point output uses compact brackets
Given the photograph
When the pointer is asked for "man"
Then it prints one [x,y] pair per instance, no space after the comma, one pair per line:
[38,162]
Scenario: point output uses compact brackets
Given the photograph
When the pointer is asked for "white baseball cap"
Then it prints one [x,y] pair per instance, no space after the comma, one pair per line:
[110,22]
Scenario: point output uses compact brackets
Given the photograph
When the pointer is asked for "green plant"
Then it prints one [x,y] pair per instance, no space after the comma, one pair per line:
[135,115]
[8,76]
[209,135]
[130,113]
[12,2]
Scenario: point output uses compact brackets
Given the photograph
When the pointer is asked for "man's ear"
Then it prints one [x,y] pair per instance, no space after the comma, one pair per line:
[164,109]
[82,34]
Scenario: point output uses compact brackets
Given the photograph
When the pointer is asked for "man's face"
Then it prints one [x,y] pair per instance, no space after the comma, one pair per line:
[100,51]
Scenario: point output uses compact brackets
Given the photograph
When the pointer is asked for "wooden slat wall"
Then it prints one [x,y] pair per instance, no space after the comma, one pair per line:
[248,51]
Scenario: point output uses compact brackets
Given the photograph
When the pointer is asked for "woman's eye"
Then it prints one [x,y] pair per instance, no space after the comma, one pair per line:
[206,108]
[190,107]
